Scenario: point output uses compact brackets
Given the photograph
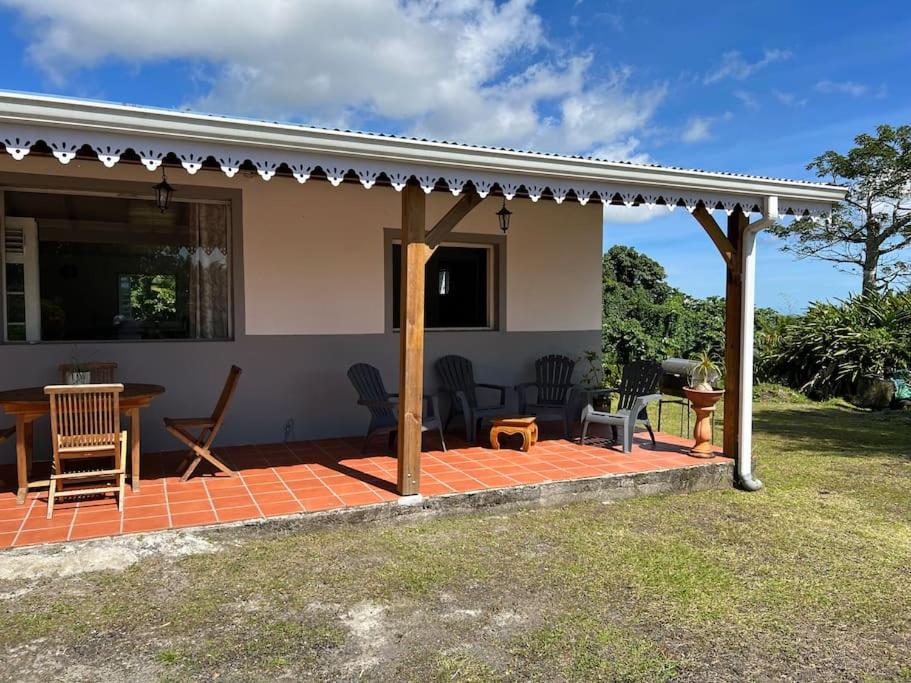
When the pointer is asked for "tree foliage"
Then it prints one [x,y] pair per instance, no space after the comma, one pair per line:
[871,229]
[645,318]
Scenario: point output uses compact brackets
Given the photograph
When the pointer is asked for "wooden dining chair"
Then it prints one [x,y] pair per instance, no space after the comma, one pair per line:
[86,438]
[201,444]
[99,373]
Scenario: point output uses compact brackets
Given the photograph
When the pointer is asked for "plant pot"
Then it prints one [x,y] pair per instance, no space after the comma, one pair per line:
[704,406]
[602,403]
[79,377]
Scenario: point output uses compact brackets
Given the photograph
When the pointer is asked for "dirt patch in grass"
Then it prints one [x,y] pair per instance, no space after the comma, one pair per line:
[809,579]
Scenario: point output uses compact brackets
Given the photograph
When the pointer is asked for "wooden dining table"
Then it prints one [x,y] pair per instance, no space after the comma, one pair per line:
[31,403]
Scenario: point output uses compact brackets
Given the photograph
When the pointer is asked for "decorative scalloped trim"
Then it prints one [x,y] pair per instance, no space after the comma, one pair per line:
[110,148]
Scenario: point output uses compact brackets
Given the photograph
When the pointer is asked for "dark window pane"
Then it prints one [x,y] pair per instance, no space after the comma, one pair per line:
[15,277]
[15,308]
[456,292]
[118,268]
[15,332]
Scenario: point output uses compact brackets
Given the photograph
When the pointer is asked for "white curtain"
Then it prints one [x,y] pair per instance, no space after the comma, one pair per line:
[209,271]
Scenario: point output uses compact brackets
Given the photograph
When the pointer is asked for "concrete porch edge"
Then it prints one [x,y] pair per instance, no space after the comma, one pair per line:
[610,487]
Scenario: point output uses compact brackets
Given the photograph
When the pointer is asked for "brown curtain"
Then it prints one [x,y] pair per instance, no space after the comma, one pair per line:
[209,271]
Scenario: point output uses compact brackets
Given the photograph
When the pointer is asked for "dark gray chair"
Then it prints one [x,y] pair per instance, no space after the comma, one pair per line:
[638,387]
[383,406]
[556,393]
[457,380]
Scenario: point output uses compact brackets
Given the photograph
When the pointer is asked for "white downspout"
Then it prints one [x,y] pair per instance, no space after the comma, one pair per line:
[745,478]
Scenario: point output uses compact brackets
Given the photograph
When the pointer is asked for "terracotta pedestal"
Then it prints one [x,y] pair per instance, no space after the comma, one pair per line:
[704,406]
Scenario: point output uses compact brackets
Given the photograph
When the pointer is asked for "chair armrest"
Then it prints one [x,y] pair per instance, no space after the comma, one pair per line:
[378,403]
[642,402]
[571,394]
[522,393]
[495,387]
[433,403]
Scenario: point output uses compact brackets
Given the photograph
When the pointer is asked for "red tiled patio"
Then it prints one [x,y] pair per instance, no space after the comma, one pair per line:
[309,476]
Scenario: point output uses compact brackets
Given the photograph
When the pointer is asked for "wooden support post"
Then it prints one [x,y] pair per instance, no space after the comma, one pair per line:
[411,358]
[734,313]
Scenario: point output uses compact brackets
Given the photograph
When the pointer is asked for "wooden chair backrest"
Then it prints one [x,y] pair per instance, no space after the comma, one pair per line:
[227,393]
[553,374]
[84,418]
[99,373]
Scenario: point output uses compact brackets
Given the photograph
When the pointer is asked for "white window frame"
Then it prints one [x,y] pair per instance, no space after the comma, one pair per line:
[32,286]
[493,285]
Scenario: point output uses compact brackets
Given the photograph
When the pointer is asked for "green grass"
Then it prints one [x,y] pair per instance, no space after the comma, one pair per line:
[809,578]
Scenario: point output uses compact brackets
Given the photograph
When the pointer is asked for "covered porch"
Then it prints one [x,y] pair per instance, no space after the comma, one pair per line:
[332,477]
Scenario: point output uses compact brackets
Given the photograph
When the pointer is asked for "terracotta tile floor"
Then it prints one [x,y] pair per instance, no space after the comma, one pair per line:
[286,478]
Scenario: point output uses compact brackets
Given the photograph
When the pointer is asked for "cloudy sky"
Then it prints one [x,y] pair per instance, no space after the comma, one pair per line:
[758,87]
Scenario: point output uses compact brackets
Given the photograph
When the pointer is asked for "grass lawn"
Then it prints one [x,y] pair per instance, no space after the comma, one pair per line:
[808,579]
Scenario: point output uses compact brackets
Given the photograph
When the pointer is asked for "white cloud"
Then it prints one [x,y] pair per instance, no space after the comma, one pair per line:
[789,99]
[474,70]
[699,128]
[733,65]
[748,100]
[842,88]
[632,214]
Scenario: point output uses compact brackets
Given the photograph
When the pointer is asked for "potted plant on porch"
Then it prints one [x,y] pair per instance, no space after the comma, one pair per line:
[703,396]
[593,381]
[78,371]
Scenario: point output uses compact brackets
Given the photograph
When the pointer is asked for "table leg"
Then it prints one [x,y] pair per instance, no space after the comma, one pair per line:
[29,446]
[134,448]
[21,461]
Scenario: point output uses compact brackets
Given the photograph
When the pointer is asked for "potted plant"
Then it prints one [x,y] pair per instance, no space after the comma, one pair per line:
[706,374]
[78,372]
[593,379]
[702,394]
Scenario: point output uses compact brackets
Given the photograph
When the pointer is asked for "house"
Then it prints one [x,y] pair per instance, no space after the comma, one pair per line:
[279,251]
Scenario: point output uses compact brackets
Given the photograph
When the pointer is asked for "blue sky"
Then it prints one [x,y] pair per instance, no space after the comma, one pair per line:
[751,87]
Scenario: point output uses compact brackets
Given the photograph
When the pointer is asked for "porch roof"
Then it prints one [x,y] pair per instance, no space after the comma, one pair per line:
[115,132]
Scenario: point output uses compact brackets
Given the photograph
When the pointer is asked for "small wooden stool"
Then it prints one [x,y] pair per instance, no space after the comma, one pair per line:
[525,426]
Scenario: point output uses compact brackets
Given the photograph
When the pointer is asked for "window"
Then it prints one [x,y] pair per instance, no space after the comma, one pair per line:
[99,267]
[457,287]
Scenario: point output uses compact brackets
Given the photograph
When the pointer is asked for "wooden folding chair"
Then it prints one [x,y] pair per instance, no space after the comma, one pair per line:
[85,432]
[201,444]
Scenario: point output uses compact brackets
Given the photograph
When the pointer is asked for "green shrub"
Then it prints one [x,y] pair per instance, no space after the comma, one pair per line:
[828,351]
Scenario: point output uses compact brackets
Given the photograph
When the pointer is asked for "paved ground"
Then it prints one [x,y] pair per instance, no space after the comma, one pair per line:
[309,476]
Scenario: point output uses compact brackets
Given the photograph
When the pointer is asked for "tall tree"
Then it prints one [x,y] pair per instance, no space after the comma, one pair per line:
[871,229]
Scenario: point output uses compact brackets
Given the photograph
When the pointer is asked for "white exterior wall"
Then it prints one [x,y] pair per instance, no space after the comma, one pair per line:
[313,254]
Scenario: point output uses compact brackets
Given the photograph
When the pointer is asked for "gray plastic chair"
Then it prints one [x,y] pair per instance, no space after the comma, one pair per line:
[638,387]
[556,393]
[457,380]
[383,406]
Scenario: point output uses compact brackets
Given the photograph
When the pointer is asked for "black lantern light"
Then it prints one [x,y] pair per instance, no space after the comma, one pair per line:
[503,217]
[163,192]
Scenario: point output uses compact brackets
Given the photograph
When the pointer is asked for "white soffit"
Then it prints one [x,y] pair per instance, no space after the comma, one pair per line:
[66,125]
